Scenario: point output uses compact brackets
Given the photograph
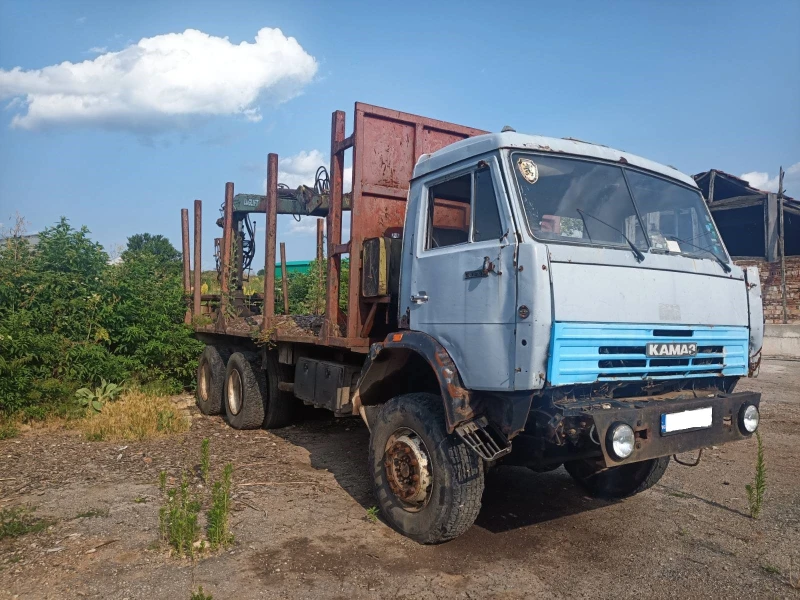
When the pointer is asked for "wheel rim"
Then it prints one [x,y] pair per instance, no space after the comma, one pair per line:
[203,382]
[408,469]
[234,392]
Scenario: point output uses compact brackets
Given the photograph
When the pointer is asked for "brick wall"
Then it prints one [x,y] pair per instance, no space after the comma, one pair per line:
[771,288]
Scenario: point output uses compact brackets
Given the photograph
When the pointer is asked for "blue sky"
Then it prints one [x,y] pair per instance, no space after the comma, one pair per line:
[692,84]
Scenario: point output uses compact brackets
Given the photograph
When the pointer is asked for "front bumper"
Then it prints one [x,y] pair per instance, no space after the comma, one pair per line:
[644,416]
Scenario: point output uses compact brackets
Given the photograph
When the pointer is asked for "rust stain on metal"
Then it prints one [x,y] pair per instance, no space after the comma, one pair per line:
[754,364]
[460,396]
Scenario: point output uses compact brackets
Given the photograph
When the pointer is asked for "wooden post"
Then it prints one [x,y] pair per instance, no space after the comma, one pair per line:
[227,231]
[781,244]
[771,227]
[271,234]
[198,239]
[711,186]
[320,237]
[187,318]
[319,285]
[331,328]
[284,282]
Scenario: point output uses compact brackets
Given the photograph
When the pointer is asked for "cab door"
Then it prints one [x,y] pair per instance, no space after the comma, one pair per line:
[463,280]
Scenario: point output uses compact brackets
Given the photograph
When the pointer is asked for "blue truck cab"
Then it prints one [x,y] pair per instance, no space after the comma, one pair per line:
[581,309]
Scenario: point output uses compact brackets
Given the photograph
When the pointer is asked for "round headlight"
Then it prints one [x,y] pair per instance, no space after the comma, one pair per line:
[620,440]
[749,418]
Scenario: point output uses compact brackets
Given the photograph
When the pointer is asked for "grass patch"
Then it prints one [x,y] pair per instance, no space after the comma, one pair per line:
[217,519]
[178,518]
[181,509]
[135,416]
[372,514]
[18,521]
[771,569]
[8,429]
[200,595]
[757,489]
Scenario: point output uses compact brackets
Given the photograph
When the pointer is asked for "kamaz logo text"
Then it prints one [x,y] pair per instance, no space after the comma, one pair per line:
[656,349]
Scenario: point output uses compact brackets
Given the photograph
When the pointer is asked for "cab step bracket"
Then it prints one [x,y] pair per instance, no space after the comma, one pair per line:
[483,438]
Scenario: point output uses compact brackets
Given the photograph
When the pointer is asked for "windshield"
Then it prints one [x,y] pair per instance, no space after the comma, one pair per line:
[673,213]
[578,201]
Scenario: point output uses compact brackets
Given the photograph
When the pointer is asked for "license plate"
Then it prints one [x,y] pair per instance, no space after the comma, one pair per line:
[688,419]
[656,349]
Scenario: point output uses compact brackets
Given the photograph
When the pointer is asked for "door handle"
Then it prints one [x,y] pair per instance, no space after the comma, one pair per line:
[420,298]
[487,267]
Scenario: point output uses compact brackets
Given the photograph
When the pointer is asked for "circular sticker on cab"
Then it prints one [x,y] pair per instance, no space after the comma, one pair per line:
[528,170]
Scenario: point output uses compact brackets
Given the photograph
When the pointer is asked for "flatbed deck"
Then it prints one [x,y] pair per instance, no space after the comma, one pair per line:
[299,329]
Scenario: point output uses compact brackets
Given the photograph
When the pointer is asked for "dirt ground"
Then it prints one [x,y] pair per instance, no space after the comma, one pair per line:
[301,531]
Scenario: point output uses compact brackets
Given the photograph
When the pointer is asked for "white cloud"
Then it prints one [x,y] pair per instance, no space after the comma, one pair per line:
[98,50]
[308,226]
[80,20]
[301,169]
[161,81]
[763,181]
[305,226]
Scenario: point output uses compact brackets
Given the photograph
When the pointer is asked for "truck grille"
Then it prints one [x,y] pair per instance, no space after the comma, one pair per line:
[589,352]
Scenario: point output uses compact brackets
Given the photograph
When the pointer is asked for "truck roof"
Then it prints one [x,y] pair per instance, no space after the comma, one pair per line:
[489,142]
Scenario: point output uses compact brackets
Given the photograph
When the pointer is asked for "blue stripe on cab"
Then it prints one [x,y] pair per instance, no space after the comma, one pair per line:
[589,352]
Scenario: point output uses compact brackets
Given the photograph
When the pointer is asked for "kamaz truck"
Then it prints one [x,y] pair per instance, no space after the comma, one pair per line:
[512,299]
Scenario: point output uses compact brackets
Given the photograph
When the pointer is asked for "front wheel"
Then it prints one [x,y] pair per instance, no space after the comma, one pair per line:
[617,482]
[428,484]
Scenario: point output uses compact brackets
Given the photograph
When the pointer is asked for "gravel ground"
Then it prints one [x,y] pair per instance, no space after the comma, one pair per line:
[301,531]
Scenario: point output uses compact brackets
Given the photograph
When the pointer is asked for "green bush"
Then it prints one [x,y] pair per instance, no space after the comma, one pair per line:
[69,319]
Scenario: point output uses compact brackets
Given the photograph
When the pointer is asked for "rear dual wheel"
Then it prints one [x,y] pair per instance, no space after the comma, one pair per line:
[252,397]
[245,386]
[211,380]
[237,386]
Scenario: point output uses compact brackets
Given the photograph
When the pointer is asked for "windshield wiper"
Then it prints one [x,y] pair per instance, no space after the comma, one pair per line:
[638,253]
[725,266]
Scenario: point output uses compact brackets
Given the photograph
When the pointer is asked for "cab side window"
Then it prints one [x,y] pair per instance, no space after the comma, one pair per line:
[449,212]
[486,220]
[460,205]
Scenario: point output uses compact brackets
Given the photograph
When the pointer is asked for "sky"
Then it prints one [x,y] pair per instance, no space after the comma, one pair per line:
[118,114]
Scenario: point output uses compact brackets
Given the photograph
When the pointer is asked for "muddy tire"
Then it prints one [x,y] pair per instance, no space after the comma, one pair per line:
[409,440]
[211,380]
[617,482]
[278,405]
[245,386]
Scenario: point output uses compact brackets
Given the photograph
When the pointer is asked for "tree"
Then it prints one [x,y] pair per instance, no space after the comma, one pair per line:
[157,245]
